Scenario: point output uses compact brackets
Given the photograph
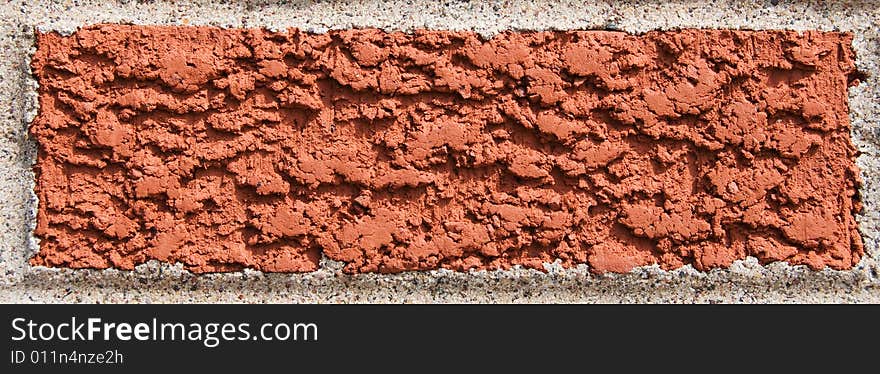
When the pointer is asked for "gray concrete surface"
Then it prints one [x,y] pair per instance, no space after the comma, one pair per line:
[746,281]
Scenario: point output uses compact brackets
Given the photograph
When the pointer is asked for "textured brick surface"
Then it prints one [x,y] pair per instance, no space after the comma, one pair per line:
[224,149]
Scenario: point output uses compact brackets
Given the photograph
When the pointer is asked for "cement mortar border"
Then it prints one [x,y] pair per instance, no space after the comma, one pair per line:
[745,281]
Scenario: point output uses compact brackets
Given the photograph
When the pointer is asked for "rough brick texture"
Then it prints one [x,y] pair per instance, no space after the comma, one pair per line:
[224,149]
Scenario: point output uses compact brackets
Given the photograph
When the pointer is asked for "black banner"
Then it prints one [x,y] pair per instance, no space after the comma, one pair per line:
[373,338]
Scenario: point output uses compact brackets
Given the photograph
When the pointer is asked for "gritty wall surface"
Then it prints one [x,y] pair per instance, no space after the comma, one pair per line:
[745,281]
[441,150]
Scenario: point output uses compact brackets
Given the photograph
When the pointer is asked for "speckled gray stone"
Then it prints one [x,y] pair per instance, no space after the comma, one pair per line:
[745,281]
